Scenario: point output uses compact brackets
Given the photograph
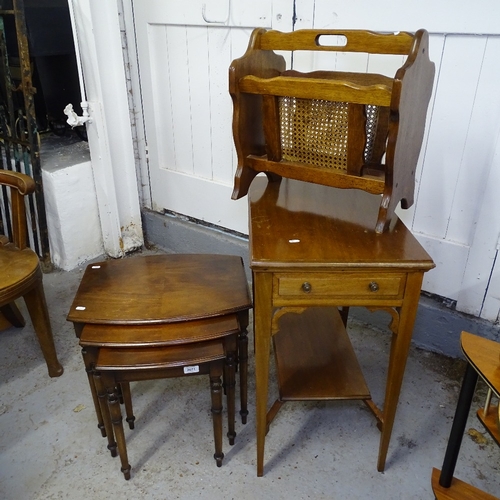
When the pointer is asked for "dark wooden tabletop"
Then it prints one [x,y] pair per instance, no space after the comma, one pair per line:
[301,224]
[178,287]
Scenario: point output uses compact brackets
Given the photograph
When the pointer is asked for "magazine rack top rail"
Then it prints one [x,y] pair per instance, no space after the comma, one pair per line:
[339,129]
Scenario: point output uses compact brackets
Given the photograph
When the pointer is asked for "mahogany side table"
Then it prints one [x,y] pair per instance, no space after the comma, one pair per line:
[312,245]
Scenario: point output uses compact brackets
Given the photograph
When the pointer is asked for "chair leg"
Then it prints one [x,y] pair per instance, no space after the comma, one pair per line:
[105,412]
[243,372]
[216,397]
[127,399]
[13,315]
[117,421]
[37,308]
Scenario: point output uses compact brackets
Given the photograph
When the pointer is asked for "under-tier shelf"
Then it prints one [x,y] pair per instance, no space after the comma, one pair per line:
[315,358]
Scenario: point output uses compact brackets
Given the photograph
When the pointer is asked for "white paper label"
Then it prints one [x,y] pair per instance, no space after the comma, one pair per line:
[192,369]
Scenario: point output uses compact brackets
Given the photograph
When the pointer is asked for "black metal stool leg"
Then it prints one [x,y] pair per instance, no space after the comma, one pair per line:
[458,427]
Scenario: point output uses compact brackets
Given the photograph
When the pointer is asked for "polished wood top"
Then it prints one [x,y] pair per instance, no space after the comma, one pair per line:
[458,490]
[161,289]
[19,269]
[484,355]
[295,224]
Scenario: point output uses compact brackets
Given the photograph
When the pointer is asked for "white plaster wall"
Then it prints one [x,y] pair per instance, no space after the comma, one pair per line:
[72,215]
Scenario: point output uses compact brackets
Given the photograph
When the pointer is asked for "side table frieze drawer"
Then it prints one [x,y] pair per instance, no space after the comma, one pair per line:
[357,286]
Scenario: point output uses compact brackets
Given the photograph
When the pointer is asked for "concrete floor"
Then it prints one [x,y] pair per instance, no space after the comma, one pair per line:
[50,446]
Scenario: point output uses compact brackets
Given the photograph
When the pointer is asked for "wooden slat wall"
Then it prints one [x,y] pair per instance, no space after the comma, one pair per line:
[455,174]
[457,211]
[455,214]
[196,135]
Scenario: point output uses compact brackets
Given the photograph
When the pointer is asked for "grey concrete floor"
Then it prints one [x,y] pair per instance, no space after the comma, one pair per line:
[50,446]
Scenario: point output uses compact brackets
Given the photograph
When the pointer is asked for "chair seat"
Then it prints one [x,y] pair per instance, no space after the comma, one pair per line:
[19,271]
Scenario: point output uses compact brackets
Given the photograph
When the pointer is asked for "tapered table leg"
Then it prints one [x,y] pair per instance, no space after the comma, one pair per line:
[262,332]
[397,362]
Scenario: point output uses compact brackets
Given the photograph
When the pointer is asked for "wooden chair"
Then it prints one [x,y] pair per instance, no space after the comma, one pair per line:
[118,366]
[340,129]
[483,360]
[20,271]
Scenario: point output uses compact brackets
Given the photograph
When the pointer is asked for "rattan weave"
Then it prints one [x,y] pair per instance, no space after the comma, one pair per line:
[315,131]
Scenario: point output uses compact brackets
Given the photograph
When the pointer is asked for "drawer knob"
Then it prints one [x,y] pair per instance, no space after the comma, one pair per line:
[373,286]
[306,287]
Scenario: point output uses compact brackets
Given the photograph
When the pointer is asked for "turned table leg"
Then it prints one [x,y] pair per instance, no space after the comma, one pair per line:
[117,421]
[262,332]
[243,365]
[216,397]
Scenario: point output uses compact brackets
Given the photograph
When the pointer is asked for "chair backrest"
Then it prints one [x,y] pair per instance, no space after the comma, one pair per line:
[20,185]
[340,129]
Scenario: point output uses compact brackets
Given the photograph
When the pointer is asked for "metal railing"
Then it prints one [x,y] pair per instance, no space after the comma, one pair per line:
[19,139]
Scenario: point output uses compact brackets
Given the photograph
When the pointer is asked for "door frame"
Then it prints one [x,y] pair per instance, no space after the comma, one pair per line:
[97,25]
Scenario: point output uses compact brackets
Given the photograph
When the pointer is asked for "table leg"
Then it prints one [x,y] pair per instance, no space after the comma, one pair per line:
[400,346]
[262,332]
[216,398]
[127,399]
[115,417]
[102,396]
[230,383]
[458,427]
[89,356]
[243,364]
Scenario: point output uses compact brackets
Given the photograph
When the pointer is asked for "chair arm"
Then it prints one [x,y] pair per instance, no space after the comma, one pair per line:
[22,182]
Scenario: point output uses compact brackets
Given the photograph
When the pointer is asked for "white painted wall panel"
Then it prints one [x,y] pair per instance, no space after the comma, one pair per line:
[161,136]
[221,159]
[184,58]
[483,263]
[199,101]
[490,307]
[479,147]
[443,16]
[205,12]
[456,89]
[179,90]
[450,259]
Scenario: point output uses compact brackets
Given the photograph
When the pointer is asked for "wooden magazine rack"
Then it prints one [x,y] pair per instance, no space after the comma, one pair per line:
[339,129]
